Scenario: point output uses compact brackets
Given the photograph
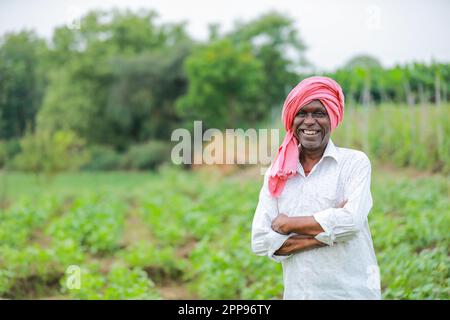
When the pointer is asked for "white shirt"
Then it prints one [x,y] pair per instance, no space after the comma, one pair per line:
[347,268]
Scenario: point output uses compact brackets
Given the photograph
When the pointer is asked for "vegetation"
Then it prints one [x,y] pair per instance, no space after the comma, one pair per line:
[401,135]
[124,79]
[107,96]
[133,236]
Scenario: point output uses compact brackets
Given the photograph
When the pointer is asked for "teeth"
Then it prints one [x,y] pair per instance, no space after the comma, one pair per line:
[310,132]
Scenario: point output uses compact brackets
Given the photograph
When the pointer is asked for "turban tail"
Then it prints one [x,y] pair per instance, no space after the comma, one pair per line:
[330,95]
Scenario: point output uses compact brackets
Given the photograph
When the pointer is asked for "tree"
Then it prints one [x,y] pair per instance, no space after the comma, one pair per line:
[22,81]
[141,103]
[107,74]
[364,62]
[225,86]
[275,41]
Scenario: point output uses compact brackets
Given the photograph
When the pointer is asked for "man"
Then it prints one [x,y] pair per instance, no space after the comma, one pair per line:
[313,206]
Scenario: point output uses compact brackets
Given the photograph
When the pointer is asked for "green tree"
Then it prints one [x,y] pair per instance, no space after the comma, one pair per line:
[225,86]
[110,77]
[276,42]
[362,61]
[141,103]
[22,81]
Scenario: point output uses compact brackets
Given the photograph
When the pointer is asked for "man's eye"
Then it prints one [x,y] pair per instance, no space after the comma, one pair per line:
[319,114]
[301,114]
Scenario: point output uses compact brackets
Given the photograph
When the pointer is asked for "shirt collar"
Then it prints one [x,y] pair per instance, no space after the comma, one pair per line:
[330,151]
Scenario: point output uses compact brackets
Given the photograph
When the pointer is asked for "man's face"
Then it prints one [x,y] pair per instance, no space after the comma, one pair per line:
[312,126]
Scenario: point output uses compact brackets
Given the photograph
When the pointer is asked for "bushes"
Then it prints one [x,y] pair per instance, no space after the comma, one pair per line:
[50,153]
[96,227]
[103,158]
[120,283]
[146,156]
[8,150]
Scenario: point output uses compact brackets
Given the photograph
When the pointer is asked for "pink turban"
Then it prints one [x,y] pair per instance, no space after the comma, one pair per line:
[330,94]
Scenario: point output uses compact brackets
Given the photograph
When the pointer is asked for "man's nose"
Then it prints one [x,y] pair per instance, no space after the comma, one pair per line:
[309,119]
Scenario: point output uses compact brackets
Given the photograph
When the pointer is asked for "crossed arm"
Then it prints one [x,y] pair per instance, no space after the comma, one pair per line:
[306,228]
[278,236]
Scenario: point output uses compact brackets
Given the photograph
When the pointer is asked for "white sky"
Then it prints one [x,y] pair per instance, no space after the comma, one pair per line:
[395,31]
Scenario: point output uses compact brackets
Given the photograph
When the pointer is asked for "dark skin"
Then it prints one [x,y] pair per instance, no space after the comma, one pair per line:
[312,128]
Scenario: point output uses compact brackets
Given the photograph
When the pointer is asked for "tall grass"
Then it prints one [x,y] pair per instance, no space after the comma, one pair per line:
[402,135]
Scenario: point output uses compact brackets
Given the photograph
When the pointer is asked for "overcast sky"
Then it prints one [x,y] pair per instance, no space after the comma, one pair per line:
[395,31]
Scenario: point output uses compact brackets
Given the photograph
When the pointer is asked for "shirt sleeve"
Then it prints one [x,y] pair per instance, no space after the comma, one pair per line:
[265,241]
[342,224]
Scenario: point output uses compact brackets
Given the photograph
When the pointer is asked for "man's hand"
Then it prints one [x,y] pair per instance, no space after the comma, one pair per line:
[342,204]
[301,225]
[298,243]
[306,229]
[281,224]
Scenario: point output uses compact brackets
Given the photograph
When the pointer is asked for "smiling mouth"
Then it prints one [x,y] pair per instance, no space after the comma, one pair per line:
[309,132]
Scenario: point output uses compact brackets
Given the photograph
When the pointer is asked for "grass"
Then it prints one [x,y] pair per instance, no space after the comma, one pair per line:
[402,135]
[134,234]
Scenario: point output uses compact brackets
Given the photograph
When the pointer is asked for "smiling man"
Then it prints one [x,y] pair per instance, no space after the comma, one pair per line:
[314,203]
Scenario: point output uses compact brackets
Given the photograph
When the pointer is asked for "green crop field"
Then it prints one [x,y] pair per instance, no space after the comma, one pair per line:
[96,112]
[177,235]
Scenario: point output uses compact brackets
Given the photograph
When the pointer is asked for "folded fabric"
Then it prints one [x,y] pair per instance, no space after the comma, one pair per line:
[330,94]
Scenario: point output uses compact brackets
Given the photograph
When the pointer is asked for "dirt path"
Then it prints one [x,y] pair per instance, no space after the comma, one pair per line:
[135,230]
[175,291]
